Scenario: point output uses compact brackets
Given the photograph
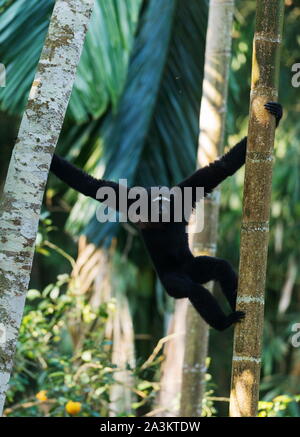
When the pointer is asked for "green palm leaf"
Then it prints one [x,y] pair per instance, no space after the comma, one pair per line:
[103,66]
[23,28]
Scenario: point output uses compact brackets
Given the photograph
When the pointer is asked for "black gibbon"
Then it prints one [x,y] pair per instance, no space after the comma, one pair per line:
[181,274]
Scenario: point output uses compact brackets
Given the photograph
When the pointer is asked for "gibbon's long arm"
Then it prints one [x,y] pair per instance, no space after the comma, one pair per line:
[213,174]
[86,184]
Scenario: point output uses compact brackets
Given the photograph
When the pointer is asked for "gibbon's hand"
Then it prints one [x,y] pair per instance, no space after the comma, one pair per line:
[275,109]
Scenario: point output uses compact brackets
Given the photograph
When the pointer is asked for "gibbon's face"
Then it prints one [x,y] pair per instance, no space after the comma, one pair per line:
[155,206]
[161,204]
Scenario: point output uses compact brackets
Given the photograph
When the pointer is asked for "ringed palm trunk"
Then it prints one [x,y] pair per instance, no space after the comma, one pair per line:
[211,144]
[256,210]
[29,166]
[170,381]
[94,273]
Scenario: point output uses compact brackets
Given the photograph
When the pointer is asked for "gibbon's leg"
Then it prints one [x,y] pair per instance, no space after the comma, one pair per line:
[207,306]
[179,286]
[205,268]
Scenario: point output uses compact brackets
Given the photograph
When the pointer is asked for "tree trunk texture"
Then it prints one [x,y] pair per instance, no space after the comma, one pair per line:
[94,273]
[211,144]
[121,332]
[170,382]
[29,166]
[256,210]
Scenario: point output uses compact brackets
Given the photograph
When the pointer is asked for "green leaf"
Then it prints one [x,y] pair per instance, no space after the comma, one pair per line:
[103,65]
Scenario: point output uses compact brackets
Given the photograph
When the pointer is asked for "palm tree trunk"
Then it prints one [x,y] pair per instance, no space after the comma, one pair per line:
[171,375]
[256,210]
[211,143]
[29,166]
[94,274]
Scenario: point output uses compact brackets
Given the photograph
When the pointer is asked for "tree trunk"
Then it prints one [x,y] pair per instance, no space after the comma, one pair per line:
[94,274]
[29,166]
[257,195]
[211,143]
[170,381]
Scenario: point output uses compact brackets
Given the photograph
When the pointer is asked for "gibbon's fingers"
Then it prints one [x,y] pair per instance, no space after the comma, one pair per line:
[274,108]
[238,316]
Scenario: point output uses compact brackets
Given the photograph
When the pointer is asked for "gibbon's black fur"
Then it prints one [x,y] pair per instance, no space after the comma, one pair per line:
[180,272]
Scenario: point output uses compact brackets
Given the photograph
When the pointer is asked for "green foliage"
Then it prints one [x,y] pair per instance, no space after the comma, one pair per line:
[103,66]
[24,24]
[281,406]
[102,69]
[208,405]
[47,357]
[63,353]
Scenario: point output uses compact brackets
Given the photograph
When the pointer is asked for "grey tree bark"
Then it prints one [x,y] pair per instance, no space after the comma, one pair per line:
[28,170]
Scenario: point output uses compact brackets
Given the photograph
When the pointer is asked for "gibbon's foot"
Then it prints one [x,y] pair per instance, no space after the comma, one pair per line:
[275,109]
[236,317]
[232,298]
[227,321]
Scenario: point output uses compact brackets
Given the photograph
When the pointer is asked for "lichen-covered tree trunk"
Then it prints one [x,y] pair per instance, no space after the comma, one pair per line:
[211,143]
[29,166]
[256,206]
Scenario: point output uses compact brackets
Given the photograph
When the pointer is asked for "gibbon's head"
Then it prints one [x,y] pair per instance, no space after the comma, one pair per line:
[153,206]
[162,204]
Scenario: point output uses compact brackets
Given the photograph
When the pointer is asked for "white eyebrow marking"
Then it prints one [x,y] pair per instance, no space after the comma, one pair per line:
[161,198]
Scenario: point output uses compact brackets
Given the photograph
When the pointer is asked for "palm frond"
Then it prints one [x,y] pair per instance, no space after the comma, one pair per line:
[103,66]
[24,24]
